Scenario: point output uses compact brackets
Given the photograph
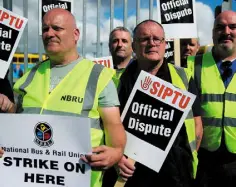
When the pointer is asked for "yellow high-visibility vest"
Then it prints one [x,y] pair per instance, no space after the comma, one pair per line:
[217,103]
[76,95]
[180,78]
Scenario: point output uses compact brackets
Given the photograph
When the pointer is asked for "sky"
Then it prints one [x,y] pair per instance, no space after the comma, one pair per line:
[204,12]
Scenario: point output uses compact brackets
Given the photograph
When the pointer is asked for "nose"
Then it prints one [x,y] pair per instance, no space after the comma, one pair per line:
[49,32]
[188,47]
[151,42]
[227,30]
[120,43]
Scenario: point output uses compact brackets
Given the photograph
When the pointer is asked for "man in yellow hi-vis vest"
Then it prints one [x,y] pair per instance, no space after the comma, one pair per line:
[120,41]
[214,73]
[68,84]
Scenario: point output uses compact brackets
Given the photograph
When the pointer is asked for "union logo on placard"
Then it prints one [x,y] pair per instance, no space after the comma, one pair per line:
[43,134]
[147,82]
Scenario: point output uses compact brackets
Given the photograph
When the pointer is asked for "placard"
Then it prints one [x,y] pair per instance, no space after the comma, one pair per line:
[152,117]
[178,18]
[44,150]
[105,61]
[169,53]
[11,29]
[46,5]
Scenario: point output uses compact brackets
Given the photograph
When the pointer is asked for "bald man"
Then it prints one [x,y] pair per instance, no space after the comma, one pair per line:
[214,73]
[66,73]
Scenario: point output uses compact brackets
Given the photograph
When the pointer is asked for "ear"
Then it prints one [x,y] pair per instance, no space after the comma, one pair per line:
[76,34]
[133,47]
[213,34]
[164,42]
[198,46]
[109,46]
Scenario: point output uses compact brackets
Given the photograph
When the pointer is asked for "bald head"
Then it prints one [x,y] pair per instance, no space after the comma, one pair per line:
[60,34]
[62,12]
[228,14]
[224,35]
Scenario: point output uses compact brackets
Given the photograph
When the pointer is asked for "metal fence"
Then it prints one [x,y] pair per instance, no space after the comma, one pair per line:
[11,5]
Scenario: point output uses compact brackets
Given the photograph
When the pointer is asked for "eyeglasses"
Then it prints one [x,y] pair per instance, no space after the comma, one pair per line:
[227,71]
[145,40]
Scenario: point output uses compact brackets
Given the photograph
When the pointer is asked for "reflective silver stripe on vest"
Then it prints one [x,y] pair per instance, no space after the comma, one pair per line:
[212,122]
[91,89]
[218,97]
[230,96]
[190,115]
[31,110]
[182,75]
[212,98]
[29,77]
[193,145]
[95,123]
[217,122]
[198,70]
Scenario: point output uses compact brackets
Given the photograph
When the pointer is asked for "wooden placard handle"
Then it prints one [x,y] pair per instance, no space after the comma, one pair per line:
[177,52]
[120,182]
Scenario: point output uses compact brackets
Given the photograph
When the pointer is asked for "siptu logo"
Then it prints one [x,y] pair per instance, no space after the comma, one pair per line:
[43,134]
[147,82]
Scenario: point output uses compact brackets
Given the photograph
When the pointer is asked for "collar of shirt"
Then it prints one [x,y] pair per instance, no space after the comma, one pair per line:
[233,67]
[116,67]
[131,73]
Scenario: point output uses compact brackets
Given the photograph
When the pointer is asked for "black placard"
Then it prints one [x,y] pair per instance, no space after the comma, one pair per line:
[169,54]
[47,4]
[8,37]
[156,140]
[176,11]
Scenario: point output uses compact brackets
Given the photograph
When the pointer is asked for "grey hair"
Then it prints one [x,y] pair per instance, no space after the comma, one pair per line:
[120,28]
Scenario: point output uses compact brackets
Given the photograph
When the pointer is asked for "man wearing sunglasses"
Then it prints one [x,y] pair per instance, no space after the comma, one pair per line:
[214,75]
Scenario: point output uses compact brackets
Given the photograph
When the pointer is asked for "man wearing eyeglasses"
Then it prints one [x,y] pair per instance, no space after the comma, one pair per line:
[177,170]
[214,75]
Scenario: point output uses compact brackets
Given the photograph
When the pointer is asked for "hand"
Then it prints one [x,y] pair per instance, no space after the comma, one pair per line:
[126,168]
[5,104]
[103,157]
[1,152]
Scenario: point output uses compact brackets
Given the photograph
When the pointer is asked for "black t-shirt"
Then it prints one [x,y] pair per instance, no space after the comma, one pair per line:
[177,168]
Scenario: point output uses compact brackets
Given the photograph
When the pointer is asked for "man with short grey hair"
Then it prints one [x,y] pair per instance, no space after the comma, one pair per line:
[120,41]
